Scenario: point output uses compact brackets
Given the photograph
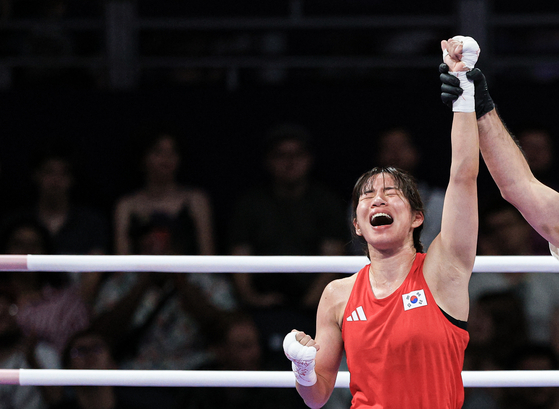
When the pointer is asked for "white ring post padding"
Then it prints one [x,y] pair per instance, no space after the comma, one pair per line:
[9,377]
[250,264]
[13,262]
[264,379]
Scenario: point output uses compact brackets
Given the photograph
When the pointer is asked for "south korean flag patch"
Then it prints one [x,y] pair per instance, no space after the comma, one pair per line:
[414,299]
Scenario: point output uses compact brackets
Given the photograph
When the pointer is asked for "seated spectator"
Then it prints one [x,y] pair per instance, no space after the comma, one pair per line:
[238,348]
[74,228]
[160,321]
[497,327]
[18,351]
[292,214]
[50,305]
[538,147]
[504,232]
[537,144]
[4,200]
[89,350]
[532,357]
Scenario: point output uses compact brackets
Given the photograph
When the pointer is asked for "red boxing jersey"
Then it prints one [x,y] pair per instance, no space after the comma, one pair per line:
[401,350]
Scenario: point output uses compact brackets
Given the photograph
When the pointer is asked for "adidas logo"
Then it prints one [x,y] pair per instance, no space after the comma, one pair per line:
[357,315]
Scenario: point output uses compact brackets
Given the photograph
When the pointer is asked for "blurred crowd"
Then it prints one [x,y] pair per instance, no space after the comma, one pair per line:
[237,321]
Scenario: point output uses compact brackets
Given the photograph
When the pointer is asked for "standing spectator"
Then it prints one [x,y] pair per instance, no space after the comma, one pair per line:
[164,216]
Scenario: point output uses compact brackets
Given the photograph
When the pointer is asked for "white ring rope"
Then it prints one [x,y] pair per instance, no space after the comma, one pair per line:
[248,264]
[242,264]
[246,379]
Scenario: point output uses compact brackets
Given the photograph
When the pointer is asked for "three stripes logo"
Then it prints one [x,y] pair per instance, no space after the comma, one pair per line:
[357,315]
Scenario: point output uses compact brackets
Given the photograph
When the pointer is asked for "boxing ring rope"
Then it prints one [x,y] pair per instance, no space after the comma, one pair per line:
[248,264]
[237,379]
[244,264]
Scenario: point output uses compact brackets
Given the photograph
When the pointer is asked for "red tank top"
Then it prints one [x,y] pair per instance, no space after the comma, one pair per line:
[401,350]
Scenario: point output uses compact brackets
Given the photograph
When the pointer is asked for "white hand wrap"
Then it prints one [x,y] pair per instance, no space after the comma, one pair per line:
[470,50]
[465,102]
[302,358]
[470,54]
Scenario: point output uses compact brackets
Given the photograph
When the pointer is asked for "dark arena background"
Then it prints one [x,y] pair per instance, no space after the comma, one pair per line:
[222,73]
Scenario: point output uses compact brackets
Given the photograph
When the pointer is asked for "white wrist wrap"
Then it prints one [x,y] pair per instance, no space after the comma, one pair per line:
[470,53]
[302,358]
[465,102]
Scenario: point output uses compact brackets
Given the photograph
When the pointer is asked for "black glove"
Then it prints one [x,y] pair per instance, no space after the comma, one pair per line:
[484,103]
[450,89]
